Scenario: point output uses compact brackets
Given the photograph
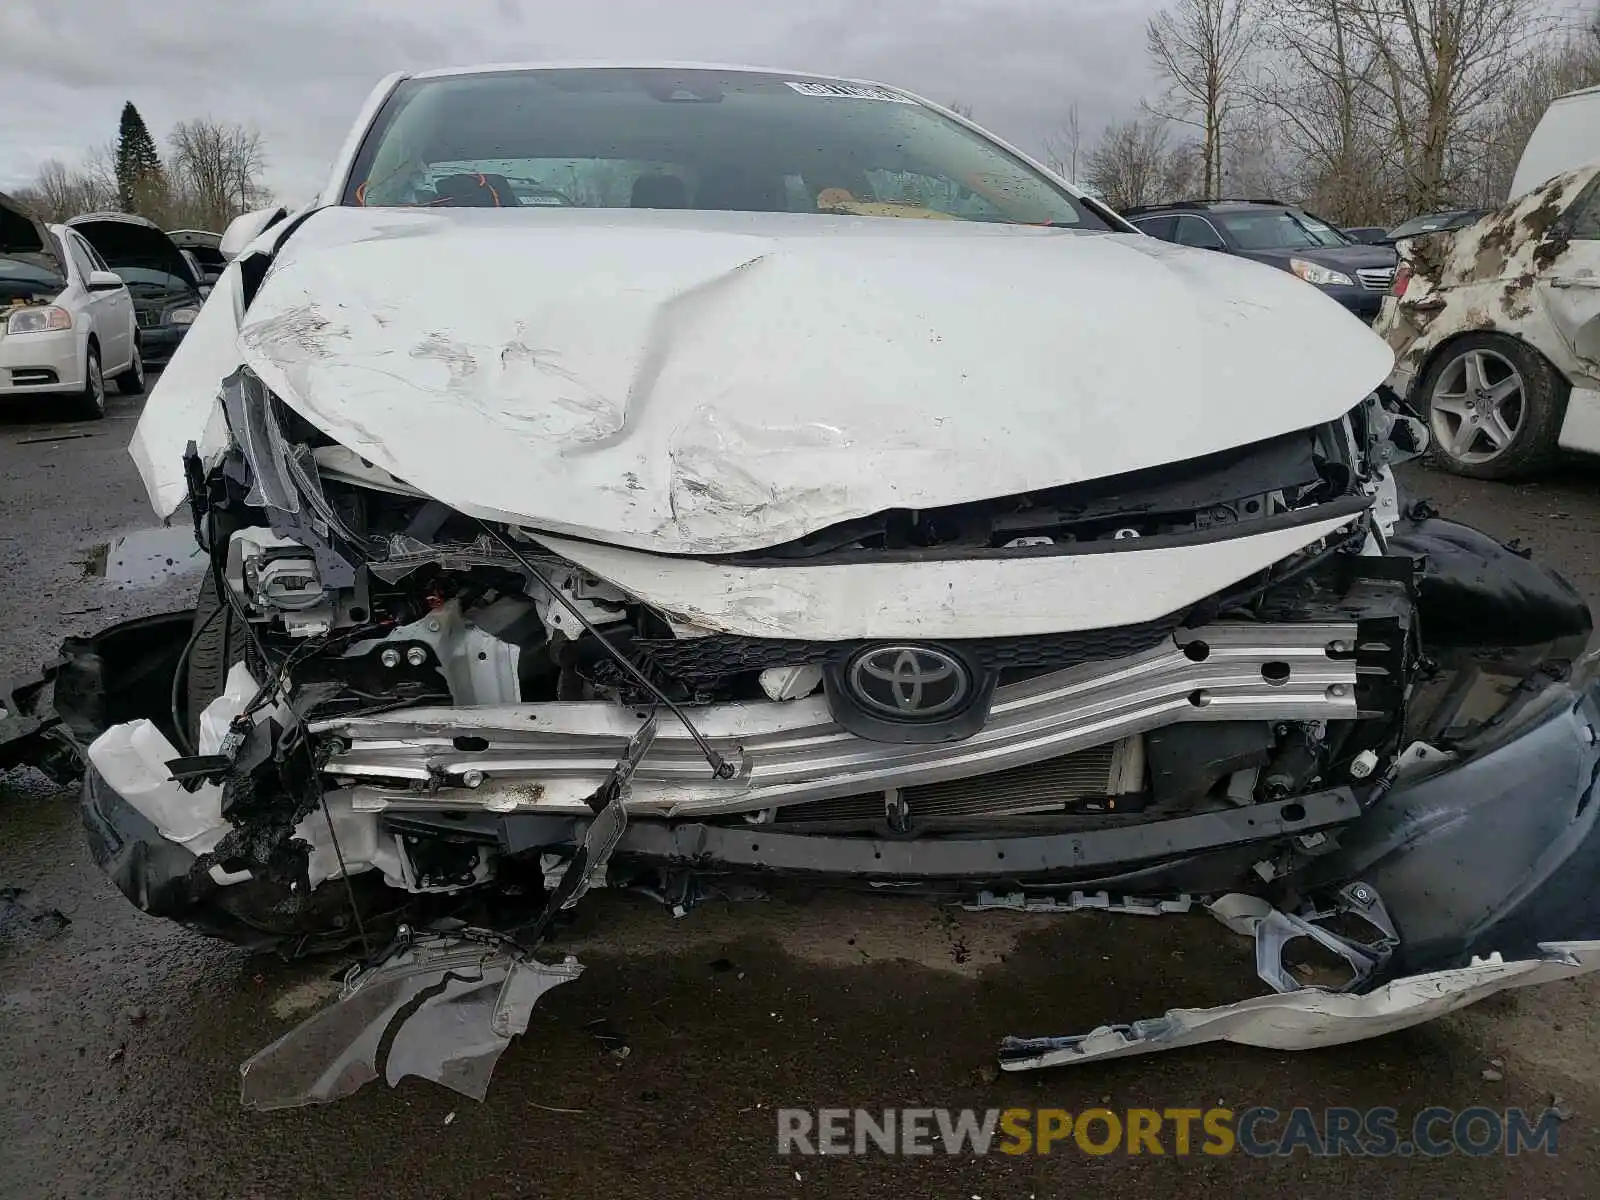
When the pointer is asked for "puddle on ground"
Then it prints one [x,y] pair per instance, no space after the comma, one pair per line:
[147,557]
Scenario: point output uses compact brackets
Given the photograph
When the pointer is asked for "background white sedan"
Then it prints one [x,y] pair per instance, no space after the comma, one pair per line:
[66,320]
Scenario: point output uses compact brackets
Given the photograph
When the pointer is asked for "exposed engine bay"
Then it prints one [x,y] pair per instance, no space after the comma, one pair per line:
[411,669]
[393,727]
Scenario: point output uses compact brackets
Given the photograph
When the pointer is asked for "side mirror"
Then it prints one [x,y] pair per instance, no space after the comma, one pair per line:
[104,281]
[246,228]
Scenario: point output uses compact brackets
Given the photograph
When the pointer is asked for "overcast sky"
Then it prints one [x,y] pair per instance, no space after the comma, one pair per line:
[299,69]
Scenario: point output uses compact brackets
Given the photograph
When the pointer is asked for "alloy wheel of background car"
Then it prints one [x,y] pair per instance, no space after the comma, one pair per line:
[131,381]
[1494,407]
[92,401]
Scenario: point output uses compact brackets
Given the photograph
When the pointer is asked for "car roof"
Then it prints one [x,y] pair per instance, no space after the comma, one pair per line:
[1574,95]
[1226,205]
[636,65]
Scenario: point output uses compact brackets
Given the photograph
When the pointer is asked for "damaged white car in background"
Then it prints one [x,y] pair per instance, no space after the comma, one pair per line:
[637,475]
[1496,331]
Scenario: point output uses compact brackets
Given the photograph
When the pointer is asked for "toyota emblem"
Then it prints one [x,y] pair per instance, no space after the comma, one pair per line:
[911,683]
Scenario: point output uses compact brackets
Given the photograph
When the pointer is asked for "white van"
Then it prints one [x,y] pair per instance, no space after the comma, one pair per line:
[1567,137]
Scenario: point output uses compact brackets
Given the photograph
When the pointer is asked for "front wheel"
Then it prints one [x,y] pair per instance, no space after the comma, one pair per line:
[1494,407]
[131,381]
[91,402]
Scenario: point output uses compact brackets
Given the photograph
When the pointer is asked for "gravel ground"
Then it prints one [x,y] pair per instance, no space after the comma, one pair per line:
[120,1036]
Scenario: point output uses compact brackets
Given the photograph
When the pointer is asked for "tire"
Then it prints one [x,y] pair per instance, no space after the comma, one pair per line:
[131,381]
[1494,407]
[219,644]
[90,404]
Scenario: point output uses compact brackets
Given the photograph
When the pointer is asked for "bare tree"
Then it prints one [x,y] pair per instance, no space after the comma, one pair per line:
[1366,111]
[216,171]
[1133,164]
[54,193]
[1441,66]
[1061,147]
[961,108]
[98,176]
[1562,65]
[1316,90]
[1258,163]
[1200,47]
[59,191]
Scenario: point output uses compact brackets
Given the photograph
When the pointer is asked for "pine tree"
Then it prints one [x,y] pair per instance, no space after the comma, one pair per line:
[141,183]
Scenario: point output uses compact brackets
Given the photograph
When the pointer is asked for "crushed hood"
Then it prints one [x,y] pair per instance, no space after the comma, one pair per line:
[702,382]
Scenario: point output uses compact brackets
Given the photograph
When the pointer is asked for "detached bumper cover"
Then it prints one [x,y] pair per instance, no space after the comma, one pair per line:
[1309,1017]
[1495,853]
[1488,868]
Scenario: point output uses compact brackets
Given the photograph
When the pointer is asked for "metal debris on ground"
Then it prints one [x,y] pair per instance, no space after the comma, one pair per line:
[54,437]
[1308,1017]
[1274,931]
[456,999]
[1139,906]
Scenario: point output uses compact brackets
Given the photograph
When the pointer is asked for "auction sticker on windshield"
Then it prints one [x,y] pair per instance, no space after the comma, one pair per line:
[848,91]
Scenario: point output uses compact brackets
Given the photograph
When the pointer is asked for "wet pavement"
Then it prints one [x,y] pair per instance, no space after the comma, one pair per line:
[120,1036]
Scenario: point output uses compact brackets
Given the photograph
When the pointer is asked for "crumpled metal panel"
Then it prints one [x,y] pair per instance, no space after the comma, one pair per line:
[463,998]
[600,398]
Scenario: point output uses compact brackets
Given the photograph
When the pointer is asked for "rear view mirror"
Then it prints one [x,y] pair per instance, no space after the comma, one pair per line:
[104,281]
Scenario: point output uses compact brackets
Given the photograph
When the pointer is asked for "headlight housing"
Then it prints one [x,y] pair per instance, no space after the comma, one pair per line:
[182,316]
[41,319]
[1320,275]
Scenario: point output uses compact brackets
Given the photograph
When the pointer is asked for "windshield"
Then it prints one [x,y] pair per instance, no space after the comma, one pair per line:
[696,139]
[1278,229]
[1434,222]
[148,278]
[25,276]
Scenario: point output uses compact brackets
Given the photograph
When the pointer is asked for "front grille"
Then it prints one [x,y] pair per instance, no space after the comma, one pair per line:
[1376,279]
[33,376]
[146,318]
[701,661]
[1037,788]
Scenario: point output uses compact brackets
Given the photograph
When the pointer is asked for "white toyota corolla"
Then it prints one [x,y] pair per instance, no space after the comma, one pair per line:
[688,477]
[66,319]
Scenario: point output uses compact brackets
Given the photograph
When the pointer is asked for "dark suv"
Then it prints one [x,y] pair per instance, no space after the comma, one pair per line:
[1282,236]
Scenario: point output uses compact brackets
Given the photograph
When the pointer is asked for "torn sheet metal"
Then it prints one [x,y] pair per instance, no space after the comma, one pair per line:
[464,996]
[598,396]
[1274,930]
[1078,901]
[1309,1017]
